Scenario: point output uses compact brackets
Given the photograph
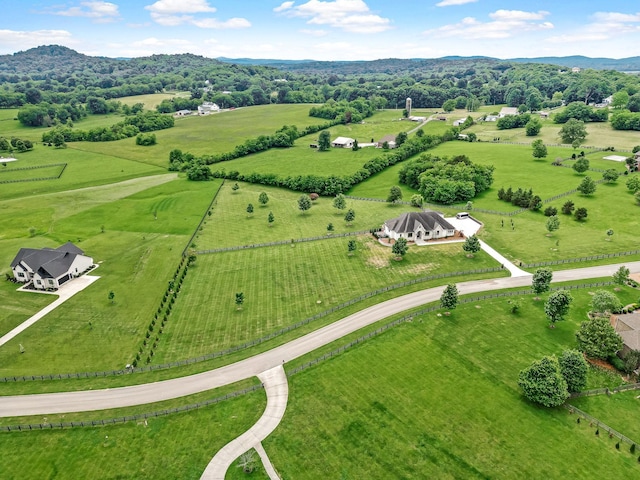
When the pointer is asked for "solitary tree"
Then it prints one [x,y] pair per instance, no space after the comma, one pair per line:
[621,276]
[587,186]
[581,213]
[557,305]
[449,297]
[235,187]
[417,200]
[350,216]
[351,246]
[568,207]
[239,300]
[395,194]
[543,383]
[541,280]
[324,141]
[400,248]
[573,132]
[111,295]
[250,209]
[304,203]
[598,339]
[330,227]
[605,303]
[340,202]
[581,165]
[553,223]
[574,369]
[355,146]
[263,198]
[471,245]
[533,127]
[271,218]
[633,184]
[610,175]
[539,149]
[609,233]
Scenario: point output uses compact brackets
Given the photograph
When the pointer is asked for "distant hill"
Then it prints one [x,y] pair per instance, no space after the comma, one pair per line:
[631,64]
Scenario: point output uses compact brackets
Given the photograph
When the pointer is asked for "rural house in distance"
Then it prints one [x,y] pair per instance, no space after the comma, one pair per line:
[48,267]
[416,226]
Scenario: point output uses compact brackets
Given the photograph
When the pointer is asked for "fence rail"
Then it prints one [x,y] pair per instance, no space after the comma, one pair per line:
[204,216]
[252,343]
[606,391]
[593,421]
[580,259]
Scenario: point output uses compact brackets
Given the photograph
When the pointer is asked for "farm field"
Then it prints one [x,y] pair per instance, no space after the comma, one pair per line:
[398,404]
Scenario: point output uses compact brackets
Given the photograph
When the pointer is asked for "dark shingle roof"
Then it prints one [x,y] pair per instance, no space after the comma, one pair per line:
[407,222]
[49,263]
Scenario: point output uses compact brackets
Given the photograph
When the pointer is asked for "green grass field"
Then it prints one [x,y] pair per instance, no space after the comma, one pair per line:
[616,411]
[437,398]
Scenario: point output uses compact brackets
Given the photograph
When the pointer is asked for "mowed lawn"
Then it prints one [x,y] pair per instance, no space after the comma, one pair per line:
[283,285]
[137,254]
[619,411]
[208,134]
[438,398]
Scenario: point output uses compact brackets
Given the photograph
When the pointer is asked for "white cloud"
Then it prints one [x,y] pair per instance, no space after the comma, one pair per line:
[98,10]
[604,26]
[448,3]
[168,7]
[12,40]
[284,6]
[171,13]
[615,17]
[505,24]
[348,15]
[314,33]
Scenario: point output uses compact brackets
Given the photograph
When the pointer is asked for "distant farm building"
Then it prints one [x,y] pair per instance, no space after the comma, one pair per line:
[208,107]
[504,111]
[343,142]
[390,140]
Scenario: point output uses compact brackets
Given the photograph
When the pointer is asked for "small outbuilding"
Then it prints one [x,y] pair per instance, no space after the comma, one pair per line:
[415,226]
[505,111]
[390,140]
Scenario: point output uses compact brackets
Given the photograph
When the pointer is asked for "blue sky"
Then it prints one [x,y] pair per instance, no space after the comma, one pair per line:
[326,29]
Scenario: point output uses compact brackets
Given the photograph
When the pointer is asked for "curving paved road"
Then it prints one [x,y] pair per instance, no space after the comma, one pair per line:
[11,406]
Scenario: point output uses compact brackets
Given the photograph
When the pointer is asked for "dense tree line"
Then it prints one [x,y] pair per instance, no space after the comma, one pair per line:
[129,127]
[513,121]
[521,198]
[580,111]
[446,180]
[625,120]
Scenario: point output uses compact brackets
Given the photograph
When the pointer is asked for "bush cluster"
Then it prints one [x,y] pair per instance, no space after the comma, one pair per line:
[521,198]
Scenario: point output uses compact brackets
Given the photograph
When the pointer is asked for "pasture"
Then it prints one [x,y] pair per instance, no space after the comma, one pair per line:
[439,396]
[615,410]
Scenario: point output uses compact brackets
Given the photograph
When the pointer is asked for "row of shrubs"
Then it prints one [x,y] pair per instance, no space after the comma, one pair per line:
[152,337]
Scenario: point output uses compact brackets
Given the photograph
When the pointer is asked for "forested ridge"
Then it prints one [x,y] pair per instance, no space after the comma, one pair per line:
[55,75]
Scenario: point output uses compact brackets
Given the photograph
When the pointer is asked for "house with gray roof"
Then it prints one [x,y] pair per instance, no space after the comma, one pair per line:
[419,226]
[628,327]
[50,268]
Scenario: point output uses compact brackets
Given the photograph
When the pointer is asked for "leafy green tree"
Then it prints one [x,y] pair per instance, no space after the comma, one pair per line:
[263,198]
[449,105]
[239,300]
[235,187]
[111,296]
[619,99]
[324,141]
[610,175]
[587,186]
[621,276]
[416,200]
[539,149]
[573,131]
[541,280]
[199,172]
[581,165]
[633,184]
[598,339]
[401,138]
[250,209]
[395,194]
[304,203]
[568,207]
[581,213]
[351,246]
[604,302]
[271,218]
[350,216]
[400,248]
[553,223]
[449,297]
[543,383]
[355,147]
[330,227]
[471,245]
[557,305]
[574,369]
[340,202]
[550,211]
[533,127]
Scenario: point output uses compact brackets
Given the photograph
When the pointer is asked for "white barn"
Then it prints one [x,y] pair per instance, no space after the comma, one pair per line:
[50,268]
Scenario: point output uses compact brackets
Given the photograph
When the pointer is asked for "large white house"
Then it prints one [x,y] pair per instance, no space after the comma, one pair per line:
[343,142]
[48,267]
[418,226]
[208,107]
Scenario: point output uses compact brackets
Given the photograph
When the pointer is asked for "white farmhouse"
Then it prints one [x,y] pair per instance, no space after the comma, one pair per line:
[208,107]
[50,268]
[343,142]
[418,226]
